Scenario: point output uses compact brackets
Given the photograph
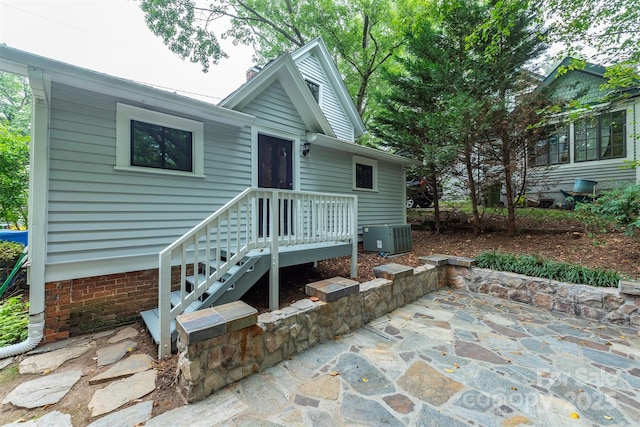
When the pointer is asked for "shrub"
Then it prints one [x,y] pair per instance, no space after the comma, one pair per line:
[537,266]
[9,254]
[618,209]
[14,318]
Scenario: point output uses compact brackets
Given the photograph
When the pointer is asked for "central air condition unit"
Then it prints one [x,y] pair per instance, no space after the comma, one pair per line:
[391,239]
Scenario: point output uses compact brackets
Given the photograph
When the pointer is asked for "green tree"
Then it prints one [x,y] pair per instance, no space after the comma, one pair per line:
[419,115]
[15,103]
[15,124]
[461,87]
[361,35]
[512,36]
[14,176]
[610,27]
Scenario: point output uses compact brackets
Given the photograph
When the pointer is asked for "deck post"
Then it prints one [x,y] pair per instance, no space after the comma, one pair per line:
[274,272]
[354,240]
[164,305]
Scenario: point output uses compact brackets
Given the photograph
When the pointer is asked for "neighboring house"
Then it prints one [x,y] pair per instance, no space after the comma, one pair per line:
[594,143]
[121,170]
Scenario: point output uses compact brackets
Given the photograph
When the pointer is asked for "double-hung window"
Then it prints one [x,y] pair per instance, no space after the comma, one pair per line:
[553,150]
[365,174]
[600,137]
[157,142]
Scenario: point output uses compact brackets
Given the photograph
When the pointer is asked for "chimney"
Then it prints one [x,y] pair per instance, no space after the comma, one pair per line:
[252,72]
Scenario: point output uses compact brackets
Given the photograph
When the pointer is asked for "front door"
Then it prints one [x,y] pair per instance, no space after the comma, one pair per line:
[275,170]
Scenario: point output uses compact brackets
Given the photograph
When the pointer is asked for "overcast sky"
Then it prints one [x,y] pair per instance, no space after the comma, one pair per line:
[111,36]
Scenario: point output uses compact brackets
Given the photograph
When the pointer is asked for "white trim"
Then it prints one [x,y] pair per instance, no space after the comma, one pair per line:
[367,162]
[125,113]
[69,270]
[321,52]
[277,133]
[357,149]
[286,72]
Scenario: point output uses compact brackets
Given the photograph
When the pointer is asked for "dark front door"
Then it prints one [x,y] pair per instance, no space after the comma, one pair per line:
[275,170]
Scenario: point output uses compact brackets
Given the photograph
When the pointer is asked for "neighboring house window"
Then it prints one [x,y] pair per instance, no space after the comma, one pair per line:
[600,137]
[150,141]
[365,174]
[554,150]
[314,88]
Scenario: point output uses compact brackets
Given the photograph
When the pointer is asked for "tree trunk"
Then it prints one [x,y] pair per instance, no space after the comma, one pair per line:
[511,202]
[507,164]
[477,220]
[436,202]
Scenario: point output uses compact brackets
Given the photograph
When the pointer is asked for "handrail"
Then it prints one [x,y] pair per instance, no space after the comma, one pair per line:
[241,225]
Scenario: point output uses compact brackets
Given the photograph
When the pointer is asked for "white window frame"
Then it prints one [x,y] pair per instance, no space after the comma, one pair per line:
[367,162]
[125,113]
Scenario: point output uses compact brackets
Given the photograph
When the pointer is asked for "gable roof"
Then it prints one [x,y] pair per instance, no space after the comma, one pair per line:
[319,49]
[285,69]
[589,68]
[585,83]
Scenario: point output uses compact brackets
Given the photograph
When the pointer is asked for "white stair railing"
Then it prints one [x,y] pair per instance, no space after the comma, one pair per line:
[243,224]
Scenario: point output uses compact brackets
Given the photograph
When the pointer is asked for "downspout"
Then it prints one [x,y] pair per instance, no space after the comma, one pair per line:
[38,191]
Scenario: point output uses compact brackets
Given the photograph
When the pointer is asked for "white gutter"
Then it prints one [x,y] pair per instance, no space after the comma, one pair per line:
[361,150]
[38,186]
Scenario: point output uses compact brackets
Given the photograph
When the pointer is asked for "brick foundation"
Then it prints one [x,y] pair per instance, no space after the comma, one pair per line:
[87,304]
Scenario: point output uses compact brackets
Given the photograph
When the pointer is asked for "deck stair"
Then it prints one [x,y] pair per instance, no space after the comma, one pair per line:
[236,282]
[258,231]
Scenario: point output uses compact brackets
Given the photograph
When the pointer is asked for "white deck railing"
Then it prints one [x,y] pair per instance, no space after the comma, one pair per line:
[244,224]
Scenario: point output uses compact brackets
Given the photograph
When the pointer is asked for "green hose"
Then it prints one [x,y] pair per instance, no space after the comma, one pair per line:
[21,260]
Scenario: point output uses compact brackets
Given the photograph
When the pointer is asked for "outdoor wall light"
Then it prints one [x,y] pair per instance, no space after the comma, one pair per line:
[305,148]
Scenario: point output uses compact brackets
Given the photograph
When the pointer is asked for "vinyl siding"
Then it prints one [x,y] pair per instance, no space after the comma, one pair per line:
[330,171]
[326,170]
[608,173]
[273,108]
[329,104]
[96,212]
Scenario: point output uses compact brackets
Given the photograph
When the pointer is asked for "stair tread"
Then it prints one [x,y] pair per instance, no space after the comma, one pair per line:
[152,321]
[191,279]
[151,317]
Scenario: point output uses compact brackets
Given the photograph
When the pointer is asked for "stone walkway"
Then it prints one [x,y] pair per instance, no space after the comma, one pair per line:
[448,359]
[127,379]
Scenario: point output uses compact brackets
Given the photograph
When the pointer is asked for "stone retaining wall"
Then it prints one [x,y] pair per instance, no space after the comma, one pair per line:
[221,345]
[615,305]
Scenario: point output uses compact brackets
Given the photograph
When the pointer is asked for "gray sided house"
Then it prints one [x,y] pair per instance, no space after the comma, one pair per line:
[594,142]
[145,201]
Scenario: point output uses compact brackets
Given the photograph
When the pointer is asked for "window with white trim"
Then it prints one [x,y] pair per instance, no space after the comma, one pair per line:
[150,141]
[365,174]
